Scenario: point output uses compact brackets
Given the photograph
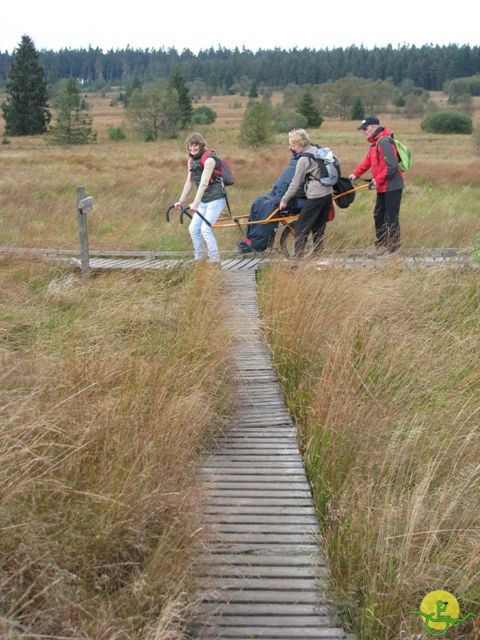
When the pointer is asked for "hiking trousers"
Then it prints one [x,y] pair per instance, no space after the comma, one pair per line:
[312,217]
[386,217]
[202,234]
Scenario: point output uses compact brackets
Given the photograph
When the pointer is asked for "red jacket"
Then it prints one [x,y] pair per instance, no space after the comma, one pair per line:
[382,159]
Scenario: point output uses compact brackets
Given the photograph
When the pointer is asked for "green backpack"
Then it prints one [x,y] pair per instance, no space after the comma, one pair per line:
[405,157]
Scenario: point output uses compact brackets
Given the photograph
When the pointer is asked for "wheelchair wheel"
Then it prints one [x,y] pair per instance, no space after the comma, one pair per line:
[287,243]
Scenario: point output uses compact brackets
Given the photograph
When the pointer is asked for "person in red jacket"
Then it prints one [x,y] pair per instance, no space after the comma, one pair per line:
[387,178]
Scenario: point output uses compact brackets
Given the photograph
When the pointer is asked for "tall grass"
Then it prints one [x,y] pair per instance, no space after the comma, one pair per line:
[110,392]
[133,182]
[380,369]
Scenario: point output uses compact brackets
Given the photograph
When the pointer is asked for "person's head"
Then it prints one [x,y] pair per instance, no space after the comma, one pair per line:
[369,125]
[298,140]
[196,144]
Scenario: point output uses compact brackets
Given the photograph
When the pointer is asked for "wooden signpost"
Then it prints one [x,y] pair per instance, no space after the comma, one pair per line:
[84,205]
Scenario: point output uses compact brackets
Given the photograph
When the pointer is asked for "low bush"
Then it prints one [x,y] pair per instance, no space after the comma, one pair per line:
[203,115]
[447,122]
[116,134]
[289,120]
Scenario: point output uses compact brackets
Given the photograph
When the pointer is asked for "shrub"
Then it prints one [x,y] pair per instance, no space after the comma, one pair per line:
[116,134]
[203,115]
[289,120]
[447,122]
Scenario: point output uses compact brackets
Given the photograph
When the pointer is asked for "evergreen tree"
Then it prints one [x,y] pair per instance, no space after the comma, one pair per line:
[177,82]
[73,123]
[358,110]
[255,128]
[26,109]
[253,93]
[310,109]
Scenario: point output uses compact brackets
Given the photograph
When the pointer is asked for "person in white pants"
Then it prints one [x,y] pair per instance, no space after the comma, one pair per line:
[203,172]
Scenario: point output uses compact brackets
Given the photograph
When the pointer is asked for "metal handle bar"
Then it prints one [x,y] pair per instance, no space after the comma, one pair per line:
[183,211]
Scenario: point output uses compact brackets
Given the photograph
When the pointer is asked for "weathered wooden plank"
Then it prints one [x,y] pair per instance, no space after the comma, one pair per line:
[261,633]
[260,572]
[305,620]
[261,537]
[285,467]
[259,500]
[276,457]
[263,510]
[253,474]
[218,480]
[259,493]
[264,558]
[271,597]
[270,519]
[268,611]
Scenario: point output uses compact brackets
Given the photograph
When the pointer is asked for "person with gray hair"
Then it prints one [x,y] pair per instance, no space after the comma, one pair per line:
[387,178]
[314,213]
[209,200]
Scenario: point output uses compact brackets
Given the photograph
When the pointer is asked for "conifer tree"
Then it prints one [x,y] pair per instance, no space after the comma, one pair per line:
[310,109]
[255,129]
[73,123]
[253,93]
[177,81]
[26,110]
[358,110]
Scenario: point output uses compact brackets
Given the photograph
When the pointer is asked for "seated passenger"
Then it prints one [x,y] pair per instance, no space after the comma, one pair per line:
[260,236]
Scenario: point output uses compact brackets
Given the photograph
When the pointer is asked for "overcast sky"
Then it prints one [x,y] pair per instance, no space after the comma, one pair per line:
[255,24]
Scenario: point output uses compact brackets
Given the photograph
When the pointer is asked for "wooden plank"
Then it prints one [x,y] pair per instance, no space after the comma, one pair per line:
[260,500]
[261,538]
[305,620]
[293,481]
[269,611]
[265,510]
[242,468]
[272,519]
[264,633]
[270,597]
[271,528]
[260,493]
[260,572]
[264,559]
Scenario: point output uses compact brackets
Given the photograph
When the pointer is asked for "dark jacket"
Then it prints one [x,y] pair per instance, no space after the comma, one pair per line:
[382,160]
[215,190]
[260,235]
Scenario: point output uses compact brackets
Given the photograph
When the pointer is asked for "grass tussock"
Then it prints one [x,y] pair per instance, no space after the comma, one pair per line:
[380,369]
[109,393]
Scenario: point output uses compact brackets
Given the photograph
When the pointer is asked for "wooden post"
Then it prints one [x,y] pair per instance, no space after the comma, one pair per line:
[84,205]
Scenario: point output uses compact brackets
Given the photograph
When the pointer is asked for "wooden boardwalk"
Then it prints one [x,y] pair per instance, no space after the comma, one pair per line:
[262,571]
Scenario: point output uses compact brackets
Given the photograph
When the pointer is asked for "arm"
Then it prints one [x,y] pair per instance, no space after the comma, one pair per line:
[187,187]
[204,180]
[389,155]
[296,183]
[361,168]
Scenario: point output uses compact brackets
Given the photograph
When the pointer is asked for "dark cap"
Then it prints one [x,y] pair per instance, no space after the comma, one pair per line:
[368,121]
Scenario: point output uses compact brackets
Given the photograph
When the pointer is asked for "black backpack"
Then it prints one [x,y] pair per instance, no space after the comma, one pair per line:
[343,185]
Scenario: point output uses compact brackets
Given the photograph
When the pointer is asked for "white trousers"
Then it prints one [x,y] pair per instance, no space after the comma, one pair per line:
[201,232]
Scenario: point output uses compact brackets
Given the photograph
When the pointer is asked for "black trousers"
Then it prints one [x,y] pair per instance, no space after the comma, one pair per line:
[312,217]
[386,217]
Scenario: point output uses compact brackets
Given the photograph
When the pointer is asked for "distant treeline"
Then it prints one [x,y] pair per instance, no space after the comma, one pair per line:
[221,69]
